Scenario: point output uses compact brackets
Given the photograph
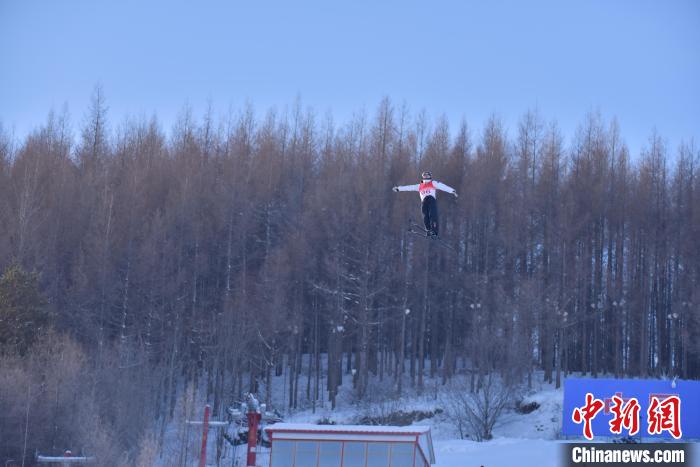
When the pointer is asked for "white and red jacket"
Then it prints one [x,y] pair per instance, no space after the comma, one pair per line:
[428,188]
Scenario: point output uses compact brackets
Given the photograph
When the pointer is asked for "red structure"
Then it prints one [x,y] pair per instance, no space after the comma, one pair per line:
[254,415]
[253,422]
[205,432]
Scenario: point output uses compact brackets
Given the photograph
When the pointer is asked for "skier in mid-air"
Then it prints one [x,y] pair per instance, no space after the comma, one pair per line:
[428,195]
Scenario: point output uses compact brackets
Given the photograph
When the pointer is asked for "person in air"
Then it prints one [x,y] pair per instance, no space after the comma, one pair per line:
[428,195]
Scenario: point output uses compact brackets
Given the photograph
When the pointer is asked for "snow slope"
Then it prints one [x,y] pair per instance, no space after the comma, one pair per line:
[519,439]
[499,452]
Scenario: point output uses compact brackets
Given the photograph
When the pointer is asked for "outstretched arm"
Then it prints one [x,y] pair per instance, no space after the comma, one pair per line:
[406,187]
[443,187]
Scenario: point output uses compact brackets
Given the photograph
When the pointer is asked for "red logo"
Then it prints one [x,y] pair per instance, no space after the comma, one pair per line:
[587,413]
[625,414]
[664,414]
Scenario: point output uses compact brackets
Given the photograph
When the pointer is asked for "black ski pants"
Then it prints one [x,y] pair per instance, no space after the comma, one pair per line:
[430,214]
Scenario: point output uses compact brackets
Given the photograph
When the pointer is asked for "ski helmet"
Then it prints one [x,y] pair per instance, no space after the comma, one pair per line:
[427,175]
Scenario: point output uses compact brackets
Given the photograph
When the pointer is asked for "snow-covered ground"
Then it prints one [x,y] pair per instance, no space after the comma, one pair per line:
[499,452]
[519,439]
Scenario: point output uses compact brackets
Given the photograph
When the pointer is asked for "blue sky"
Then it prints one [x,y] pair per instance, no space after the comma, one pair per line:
[638,61]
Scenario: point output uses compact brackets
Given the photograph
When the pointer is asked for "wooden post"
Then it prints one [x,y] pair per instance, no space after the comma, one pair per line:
[205,431]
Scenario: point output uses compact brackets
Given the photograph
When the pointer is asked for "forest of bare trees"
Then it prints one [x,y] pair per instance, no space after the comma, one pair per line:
[242,247]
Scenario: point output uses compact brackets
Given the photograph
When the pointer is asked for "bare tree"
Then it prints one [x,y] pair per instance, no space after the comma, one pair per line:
[477,412]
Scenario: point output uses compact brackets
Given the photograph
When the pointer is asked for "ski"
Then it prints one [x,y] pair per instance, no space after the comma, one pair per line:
[443,243]
[416,226]
[415,232]
[420,231]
